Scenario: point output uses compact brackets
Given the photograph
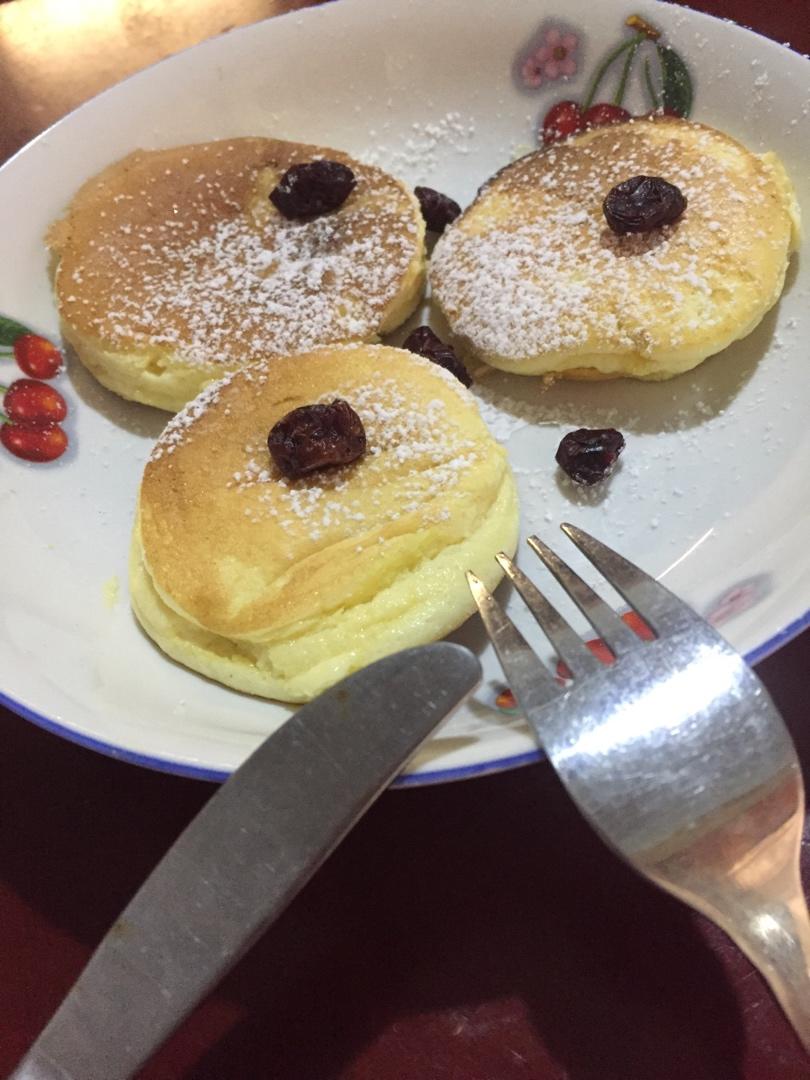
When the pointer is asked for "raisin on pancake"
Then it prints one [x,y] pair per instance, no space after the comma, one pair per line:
[532,279]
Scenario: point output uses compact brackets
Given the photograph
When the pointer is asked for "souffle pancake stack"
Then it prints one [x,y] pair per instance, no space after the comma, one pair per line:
[316,500]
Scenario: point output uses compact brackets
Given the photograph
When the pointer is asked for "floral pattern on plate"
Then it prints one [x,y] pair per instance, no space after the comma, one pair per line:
[554,53]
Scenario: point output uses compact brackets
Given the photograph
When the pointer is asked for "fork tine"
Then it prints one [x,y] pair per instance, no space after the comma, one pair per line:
[611,629]
[528,677]
[569,646]
[660,608]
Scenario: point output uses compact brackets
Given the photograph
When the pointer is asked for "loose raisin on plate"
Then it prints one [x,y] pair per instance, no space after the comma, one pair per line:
[423,341]
[313,188]
[438,210]
[588,455]
[641,204]
[316,436]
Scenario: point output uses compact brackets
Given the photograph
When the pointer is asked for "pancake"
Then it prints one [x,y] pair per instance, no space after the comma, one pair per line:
[281,587]
[174,266]
[532,280]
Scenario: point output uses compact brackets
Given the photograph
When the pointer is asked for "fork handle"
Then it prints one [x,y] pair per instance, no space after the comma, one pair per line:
[776,938]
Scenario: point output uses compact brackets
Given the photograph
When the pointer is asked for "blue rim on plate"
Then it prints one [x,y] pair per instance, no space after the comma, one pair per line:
[422,779]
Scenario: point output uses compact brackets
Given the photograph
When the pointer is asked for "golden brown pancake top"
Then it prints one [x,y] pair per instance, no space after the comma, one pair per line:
[532,268]
[181,250]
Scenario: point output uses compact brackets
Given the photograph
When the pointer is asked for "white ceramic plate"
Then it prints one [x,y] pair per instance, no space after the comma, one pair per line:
[710,495]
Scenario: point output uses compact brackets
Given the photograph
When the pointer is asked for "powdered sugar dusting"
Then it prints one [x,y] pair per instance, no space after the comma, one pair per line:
[198,263]
[179,427]
[296,285]
[533,269]
[423,146]
[414,449]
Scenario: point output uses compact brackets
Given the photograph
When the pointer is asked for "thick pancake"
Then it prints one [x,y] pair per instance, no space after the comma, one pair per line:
[174,266]
[532,280]
[281,587]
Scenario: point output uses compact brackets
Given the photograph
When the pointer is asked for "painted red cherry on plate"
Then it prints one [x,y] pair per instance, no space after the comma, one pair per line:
[600,649]
[30,400]
[604,113]
[37,356]
[562,120]
[636,623]
[34,441]
[506,700]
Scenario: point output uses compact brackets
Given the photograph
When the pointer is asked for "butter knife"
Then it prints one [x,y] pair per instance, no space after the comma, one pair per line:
[243,858]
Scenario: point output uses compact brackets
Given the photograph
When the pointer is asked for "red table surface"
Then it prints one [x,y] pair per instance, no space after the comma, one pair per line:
[475,931]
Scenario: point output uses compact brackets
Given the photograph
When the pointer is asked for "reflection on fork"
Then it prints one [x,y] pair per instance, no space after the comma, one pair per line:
[674,753]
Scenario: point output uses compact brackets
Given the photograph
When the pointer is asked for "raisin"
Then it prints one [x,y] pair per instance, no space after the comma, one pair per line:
[424,342]
[642,204]
[316,436]
[438,210]
[588,455]
[313,188]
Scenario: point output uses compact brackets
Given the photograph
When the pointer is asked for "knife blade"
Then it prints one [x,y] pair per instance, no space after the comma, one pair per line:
[243,858]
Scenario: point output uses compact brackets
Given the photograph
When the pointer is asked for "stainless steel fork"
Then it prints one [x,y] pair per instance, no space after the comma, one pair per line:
[674,753]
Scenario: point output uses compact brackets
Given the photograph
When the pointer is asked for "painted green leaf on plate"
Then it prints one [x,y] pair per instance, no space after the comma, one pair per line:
[11,330]
[676,82]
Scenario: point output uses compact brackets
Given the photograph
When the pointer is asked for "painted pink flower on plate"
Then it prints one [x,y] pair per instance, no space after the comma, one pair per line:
[554,58]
